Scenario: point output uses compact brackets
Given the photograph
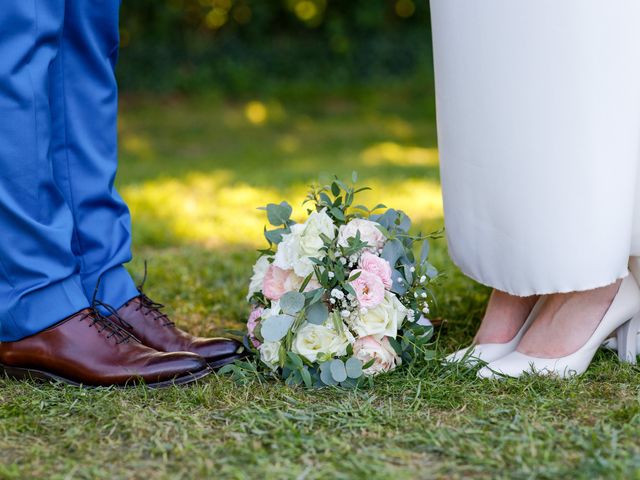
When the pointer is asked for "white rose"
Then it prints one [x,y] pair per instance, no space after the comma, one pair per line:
[369,233]
[381,352]
[311,340]
[385,319]
[259,270]
[289,248]
[303,243]
[270,354]
[317,224]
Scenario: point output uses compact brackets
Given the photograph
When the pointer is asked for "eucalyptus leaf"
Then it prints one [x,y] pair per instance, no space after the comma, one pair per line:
[424,252]
[275,328]
[292,302]
[325,375]
[338,370]
[388,218]
[392,251]
[405,222]
[279,214]
[317,313]
[274,236]
[407,273]
[353,367]
[399,285]
[431,271]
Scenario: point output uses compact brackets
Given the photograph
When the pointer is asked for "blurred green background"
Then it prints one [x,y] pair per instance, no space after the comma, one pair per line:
[267,46]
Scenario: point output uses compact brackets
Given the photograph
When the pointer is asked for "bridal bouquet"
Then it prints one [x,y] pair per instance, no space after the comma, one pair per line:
[342,296]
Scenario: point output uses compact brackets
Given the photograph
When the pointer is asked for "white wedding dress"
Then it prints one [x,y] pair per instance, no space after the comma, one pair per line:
[539,134]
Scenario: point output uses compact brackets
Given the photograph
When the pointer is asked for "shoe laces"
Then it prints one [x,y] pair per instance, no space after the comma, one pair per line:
[115,326]
[148,306]
[103,324]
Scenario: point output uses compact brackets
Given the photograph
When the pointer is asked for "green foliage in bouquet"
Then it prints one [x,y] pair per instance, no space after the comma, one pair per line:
[341,297]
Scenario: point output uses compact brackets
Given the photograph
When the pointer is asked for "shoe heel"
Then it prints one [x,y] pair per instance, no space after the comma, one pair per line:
[627,340]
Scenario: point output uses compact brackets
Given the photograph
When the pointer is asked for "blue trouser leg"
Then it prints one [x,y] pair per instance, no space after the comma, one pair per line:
[39,280]
[85,147]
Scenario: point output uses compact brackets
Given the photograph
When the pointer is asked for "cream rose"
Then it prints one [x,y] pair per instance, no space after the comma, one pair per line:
[288,251]
[369,233]
[270,354]
[303,243]
[385,319]
[381,352]
[310,241]
[259,271]
[311,340]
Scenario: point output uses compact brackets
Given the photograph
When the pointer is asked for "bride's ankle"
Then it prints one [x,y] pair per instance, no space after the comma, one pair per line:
[566,321]
[504,317]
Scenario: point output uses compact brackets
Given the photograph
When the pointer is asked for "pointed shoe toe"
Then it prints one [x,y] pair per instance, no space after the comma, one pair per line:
[513,365]
[475,354]
[218,351]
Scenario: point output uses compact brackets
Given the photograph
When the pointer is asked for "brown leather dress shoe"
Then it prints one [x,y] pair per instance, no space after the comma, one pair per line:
[144,319]
[88,349]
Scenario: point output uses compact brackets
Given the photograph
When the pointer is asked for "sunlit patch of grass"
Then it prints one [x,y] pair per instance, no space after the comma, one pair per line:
[213,209]
[392,153]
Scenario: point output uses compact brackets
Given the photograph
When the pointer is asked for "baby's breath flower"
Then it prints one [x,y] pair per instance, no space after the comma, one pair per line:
[337,294]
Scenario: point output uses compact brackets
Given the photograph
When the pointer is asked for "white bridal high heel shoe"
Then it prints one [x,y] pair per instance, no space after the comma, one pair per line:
[621,341]
[623,315]
[488,352]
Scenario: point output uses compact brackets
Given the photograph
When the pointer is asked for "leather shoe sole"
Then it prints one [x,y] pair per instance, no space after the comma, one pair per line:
[34,374]
[221,362]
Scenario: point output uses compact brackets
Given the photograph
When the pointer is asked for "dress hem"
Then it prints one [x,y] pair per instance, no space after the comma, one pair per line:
[536,291]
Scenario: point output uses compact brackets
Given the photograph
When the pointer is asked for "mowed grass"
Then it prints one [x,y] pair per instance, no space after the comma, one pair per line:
[193,171]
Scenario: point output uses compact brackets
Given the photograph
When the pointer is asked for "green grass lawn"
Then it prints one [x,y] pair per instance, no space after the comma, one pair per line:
[193,171]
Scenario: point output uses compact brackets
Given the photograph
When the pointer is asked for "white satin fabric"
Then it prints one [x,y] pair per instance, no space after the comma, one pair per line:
[539,134]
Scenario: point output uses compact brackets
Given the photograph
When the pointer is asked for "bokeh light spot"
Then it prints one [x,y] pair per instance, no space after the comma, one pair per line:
[306,10]
[405,8]
[216,18]
[256,112]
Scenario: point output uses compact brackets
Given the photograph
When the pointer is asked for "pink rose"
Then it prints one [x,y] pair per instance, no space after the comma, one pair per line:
[381,352]
[378,266]
[276,283]
[369,289]
[252,323]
